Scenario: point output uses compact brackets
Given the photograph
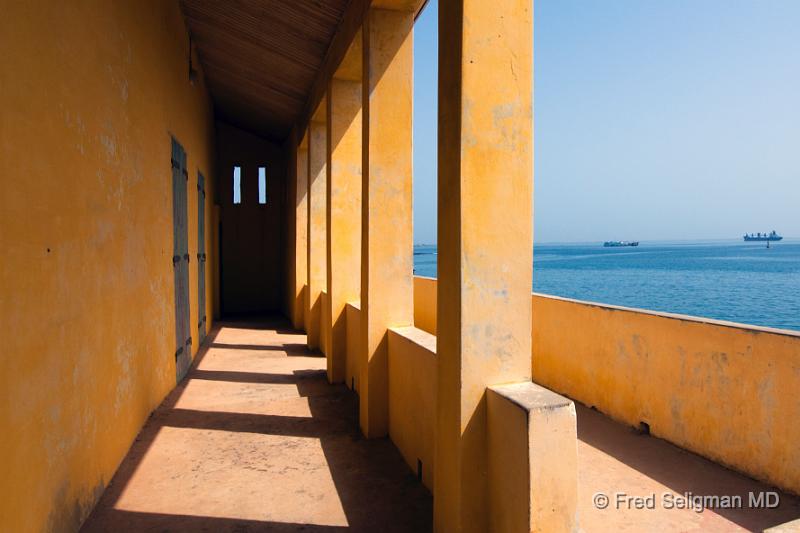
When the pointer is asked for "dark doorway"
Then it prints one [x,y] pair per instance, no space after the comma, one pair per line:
[252,223]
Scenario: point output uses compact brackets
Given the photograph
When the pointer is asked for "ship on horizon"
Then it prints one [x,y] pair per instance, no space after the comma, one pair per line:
[761,237]
[613,244]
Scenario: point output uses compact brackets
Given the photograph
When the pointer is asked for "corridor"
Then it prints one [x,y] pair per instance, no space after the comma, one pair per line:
[256,439]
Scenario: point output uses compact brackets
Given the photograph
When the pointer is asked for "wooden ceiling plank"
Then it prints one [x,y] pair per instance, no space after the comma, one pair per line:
[283,42]
[262,58]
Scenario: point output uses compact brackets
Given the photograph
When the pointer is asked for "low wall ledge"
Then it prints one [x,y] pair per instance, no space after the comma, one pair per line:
[531,397]
[674,316]
[417,336]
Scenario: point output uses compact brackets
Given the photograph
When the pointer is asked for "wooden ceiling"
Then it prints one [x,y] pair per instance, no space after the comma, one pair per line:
[260,57]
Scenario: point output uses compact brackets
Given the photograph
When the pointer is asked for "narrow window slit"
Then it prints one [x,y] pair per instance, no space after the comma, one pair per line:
[237,185]
[262,185]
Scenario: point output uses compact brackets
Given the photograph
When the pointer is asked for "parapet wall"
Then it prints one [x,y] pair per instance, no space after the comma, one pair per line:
[425,304]
[723,390]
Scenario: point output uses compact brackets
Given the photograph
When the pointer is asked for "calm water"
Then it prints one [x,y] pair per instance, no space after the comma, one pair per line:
[726,280]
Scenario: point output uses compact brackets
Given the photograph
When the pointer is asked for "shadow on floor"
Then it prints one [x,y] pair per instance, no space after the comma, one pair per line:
[656,460]
[206,462]
[288,349]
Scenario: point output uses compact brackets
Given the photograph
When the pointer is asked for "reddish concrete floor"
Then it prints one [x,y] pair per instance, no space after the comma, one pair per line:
[613,458]
[255,439]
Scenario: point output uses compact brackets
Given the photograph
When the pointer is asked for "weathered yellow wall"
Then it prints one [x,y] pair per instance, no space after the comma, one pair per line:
[425,304]
[412,397]
[91,92]
[725,391]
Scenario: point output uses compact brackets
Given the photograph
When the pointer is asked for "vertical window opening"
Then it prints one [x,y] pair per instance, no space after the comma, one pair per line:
[237,185]
[262,185]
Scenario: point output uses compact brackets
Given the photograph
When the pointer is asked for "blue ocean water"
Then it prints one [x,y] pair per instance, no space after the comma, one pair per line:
[725,280]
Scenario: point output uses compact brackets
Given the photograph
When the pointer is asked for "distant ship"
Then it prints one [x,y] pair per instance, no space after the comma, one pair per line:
[762,237]
[610,244]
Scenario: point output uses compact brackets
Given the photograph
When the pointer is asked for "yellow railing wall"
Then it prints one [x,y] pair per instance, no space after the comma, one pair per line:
[412,389]
[412,397]
[725,391]
[425,304]
[91,93]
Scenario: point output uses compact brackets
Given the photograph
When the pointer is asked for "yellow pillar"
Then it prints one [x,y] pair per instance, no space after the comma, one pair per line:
[344,207]
[317,205]
[386,223]
[300,267]
[485,238]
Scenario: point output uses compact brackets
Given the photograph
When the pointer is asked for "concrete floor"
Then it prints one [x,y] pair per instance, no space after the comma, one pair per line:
[614,458]
[255,439]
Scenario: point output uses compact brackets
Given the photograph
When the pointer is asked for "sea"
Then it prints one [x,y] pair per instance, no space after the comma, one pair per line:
[725,280]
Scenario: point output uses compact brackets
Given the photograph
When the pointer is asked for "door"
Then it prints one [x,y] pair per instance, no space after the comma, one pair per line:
[180,260]
[201,257]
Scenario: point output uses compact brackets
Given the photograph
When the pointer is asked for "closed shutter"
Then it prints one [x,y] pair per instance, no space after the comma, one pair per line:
[201,257]
[180,260]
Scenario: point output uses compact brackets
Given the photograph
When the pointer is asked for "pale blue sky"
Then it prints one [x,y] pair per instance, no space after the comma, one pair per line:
[668,119]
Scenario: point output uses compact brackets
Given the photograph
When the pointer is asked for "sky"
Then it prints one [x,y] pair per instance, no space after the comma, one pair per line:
[654,119]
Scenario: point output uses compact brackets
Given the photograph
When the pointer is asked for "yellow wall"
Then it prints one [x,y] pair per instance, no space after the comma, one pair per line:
[412,388]
[412,397]
[425,304]
[91,93]
[725,391]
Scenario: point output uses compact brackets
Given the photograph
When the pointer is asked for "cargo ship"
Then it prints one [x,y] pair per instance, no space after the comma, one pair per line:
[761,237]
[612,244]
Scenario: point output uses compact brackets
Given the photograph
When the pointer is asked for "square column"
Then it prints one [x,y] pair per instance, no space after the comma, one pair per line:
[299,247]
[344,209]
[317,233]
[485,238]
[386,222]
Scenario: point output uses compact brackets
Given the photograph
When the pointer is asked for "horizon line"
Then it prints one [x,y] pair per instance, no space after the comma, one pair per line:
[699,239]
